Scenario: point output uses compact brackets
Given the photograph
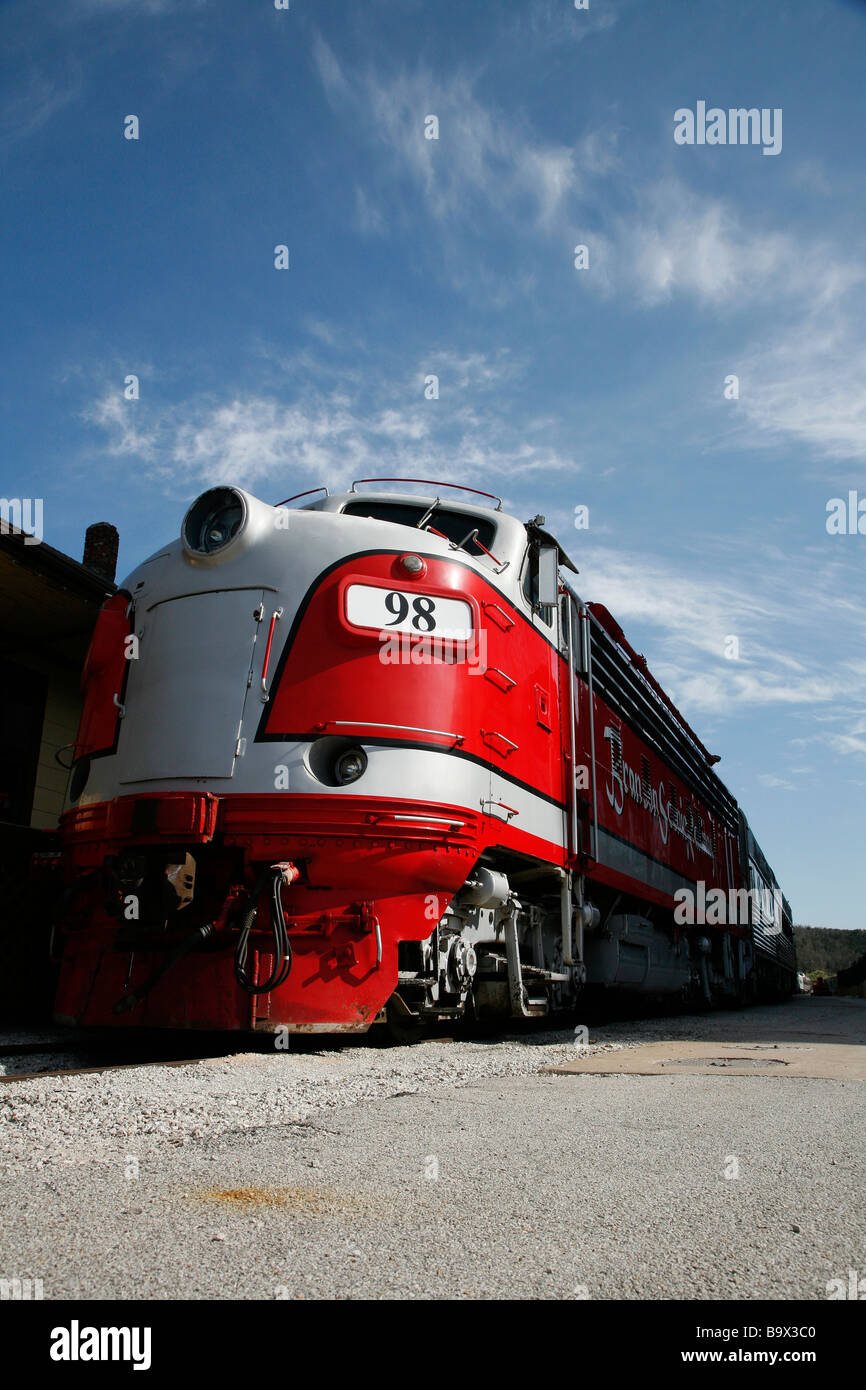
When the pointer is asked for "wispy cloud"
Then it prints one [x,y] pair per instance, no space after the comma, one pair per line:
[550,22]
[653,238]
[36,99]
[128,432]
[484,159]
[674,242]
[800,657]
[335,432]
[809,385]
[769,779]
[802,372]
[794,657]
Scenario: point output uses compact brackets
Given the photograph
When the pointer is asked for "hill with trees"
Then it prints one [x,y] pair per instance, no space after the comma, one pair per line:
[827,948]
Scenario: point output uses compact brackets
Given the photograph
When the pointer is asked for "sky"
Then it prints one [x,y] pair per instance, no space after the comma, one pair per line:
[698,382]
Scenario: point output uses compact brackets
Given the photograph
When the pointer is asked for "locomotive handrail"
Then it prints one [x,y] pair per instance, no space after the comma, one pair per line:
[419,815]
[277,613]
[487,734]
[431,482]
[431,825]
[586,616]
[571,722]
[490,671]
[308,493]
[485,604]
[375,724]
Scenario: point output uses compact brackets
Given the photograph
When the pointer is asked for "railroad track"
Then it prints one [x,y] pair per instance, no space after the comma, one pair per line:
[89,1051]
[79,1054]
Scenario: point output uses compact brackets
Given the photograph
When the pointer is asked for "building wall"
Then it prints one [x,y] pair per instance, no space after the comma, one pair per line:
[62,713]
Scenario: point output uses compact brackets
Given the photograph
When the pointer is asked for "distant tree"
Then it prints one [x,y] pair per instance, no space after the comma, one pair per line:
[826,950]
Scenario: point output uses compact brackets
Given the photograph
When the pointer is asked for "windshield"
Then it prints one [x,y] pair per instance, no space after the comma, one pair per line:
[456,526]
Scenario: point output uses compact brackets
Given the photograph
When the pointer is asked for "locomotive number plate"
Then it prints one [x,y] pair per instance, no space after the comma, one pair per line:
[405,610]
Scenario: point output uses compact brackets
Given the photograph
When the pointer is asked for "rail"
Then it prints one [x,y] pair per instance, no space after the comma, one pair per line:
[374,724]
[309,492]
[431,482]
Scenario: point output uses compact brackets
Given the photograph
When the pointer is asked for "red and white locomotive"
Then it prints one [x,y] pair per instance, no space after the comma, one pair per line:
[372,757]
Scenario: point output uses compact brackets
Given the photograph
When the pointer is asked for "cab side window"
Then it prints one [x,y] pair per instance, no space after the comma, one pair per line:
[530,584]
[530,576]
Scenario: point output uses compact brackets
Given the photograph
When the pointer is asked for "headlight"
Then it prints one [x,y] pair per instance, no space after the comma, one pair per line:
[349,766]
[213,520]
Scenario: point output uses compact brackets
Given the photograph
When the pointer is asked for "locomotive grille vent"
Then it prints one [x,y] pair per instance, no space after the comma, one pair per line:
[645,777]
[616,750]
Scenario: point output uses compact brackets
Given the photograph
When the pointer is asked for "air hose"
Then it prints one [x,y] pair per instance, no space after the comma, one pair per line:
[278,874]
[275,877]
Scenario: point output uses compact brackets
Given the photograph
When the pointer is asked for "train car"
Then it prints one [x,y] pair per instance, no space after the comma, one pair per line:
[775,963]
[372,758]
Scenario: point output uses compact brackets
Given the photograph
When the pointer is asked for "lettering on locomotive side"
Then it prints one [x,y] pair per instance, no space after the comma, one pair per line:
[656,800]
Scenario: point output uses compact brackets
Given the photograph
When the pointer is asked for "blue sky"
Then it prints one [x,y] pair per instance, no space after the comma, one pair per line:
[559,387]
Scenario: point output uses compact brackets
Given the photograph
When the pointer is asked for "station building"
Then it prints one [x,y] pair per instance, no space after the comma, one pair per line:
[48,608]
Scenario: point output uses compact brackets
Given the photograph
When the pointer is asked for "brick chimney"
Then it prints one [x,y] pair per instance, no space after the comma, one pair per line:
[100,549]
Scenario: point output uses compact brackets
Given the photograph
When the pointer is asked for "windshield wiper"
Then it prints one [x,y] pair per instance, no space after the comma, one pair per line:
[427,515]
[470,536]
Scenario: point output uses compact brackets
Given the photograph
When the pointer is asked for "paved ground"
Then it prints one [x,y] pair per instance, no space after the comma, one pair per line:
[452,1169]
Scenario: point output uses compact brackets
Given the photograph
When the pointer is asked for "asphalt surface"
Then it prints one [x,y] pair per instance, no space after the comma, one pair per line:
[453,1169]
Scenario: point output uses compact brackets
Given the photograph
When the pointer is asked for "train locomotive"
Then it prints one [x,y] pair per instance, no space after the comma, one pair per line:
[370,758]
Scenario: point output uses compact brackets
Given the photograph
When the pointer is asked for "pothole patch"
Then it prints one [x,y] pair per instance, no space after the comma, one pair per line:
[825,1061]
[738,1062]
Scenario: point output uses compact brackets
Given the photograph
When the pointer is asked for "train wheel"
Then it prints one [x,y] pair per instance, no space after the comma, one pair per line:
[402,1026]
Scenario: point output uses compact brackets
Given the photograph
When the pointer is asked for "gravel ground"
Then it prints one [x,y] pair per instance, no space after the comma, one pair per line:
[448,1169]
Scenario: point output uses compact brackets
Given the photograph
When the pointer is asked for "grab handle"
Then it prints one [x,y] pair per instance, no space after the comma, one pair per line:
[277,613]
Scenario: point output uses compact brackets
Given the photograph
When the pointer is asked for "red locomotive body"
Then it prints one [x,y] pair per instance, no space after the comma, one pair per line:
[375,758]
